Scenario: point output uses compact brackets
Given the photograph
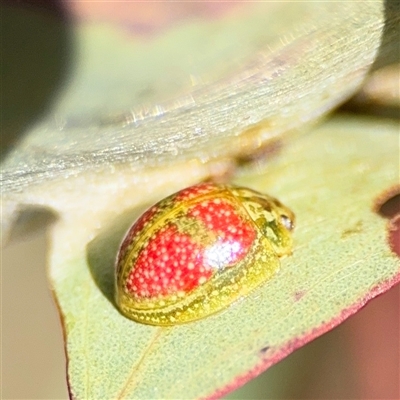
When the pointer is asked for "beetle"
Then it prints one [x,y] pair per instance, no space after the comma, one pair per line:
[198,251]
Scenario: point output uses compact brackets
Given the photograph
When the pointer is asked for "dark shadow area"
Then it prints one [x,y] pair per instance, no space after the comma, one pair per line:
[30,220]
[36,52]
[387,203]
[102,251]
[387,206]
[389,51]
[391,207]
[388,54]
[355,108]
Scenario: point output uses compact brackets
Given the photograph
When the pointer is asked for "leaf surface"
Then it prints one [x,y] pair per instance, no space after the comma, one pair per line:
[330,178]
[202,91]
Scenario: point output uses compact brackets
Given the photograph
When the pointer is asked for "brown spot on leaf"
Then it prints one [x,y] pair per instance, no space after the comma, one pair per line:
[299,294]
[264,350]
[388,206]
[357,228]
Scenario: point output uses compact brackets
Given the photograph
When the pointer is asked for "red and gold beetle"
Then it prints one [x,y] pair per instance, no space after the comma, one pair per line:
[196,252]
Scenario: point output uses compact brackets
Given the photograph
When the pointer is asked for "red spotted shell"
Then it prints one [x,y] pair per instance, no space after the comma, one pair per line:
[196,252]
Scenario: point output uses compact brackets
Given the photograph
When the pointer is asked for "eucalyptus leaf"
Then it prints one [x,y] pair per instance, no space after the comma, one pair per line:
[330,178]
[231,85]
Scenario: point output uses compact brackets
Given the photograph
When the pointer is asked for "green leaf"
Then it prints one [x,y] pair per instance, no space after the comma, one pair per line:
[203,91]
[330,178]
